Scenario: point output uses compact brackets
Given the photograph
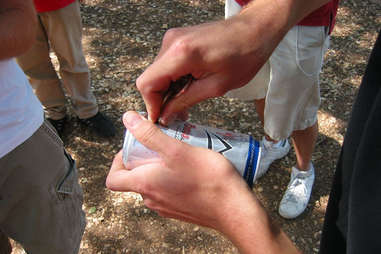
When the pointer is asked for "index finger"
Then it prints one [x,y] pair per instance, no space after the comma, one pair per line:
[152,86]
[156,79]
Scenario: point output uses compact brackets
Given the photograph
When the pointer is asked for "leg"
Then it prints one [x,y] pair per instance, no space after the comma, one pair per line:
[65,36]
[299,189]
[37,65]
[271,149]
[64,31]
[304,145]
[41,204]
[291,107]
[260,108]
[303,140]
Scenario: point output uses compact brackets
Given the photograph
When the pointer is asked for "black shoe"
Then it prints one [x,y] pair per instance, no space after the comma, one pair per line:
[59,125]
[100,124]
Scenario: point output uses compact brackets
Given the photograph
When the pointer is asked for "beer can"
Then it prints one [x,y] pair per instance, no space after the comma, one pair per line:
[240,149]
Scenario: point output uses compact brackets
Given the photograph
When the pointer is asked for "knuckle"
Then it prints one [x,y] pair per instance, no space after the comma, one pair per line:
[183,48]
[141,84]
[148,132]
[181,45]
[171,34]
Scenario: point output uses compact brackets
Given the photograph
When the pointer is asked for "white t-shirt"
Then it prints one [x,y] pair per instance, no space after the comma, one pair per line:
[21,113]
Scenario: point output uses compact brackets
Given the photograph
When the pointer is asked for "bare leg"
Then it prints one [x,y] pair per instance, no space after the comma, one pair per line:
[304,144]
[260,108]
[303,140]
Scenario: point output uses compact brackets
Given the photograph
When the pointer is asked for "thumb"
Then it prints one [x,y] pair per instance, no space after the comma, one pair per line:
[149,135]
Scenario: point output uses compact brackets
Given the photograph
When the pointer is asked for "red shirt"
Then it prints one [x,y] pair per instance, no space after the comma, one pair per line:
[324,16]
[51,5]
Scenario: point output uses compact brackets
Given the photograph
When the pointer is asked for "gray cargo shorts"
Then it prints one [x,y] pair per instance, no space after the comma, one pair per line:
[40,198]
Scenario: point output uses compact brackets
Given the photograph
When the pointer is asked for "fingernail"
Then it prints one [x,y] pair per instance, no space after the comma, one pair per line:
[162,122]
[131,119]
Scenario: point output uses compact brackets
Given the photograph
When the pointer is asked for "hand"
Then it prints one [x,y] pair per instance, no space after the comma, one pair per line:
[212,53]
[197,185]
[188,183]
[221,55]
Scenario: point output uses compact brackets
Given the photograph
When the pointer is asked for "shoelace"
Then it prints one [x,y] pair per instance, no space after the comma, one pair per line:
[298,180]
[266,146]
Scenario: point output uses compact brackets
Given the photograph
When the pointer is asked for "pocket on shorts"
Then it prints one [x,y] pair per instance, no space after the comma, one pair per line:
[65,185]
[310,49]
[48,127]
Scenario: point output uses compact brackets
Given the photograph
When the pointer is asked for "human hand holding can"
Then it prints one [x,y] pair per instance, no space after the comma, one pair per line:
[240,149]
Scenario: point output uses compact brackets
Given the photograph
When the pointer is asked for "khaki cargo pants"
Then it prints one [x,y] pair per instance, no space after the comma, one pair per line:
[61,32]
[40,198]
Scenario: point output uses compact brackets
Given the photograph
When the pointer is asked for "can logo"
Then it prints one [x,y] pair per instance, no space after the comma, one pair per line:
[210,143]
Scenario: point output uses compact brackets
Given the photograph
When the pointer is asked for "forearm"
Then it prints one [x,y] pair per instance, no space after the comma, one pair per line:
[221,55]
[280,15]
[251,230]
[272,20]
[17,27]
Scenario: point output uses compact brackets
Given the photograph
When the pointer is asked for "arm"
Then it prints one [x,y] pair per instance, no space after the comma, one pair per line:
[17,26]
[222,55]
[199,186]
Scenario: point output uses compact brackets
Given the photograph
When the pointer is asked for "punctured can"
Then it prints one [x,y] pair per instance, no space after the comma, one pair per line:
[240,149]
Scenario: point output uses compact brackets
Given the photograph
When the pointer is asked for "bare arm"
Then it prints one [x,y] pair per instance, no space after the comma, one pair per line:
[222,55]
[251,229]
[17,27]
[200,186]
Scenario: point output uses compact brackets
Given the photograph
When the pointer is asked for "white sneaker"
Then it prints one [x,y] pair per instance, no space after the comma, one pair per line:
[269,153]
[298,193]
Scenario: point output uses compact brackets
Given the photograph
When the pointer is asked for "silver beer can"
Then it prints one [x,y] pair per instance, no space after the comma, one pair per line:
[240,149]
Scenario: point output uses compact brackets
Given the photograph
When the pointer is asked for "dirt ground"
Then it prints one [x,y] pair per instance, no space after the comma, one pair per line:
[121,38]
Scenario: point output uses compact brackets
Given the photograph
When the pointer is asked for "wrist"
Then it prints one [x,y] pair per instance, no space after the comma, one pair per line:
[246,223]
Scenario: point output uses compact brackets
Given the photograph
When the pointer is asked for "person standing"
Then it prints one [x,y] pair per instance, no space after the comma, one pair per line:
[200,186]
[286,95]
[60,30]
[40,197]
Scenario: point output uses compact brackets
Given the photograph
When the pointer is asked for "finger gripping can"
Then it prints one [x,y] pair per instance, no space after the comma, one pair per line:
[240,149]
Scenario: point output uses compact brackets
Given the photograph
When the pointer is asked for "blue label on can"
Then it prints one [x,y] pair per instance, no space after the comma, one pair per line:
[251,162]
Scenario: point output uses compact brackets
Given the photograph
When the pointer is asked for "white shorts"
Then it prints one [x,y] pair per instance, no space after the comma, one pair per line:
[289,80]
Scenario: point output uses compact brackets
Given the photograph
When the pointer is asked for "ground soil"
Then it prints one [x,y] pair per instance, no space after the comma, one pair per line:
[121,38]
